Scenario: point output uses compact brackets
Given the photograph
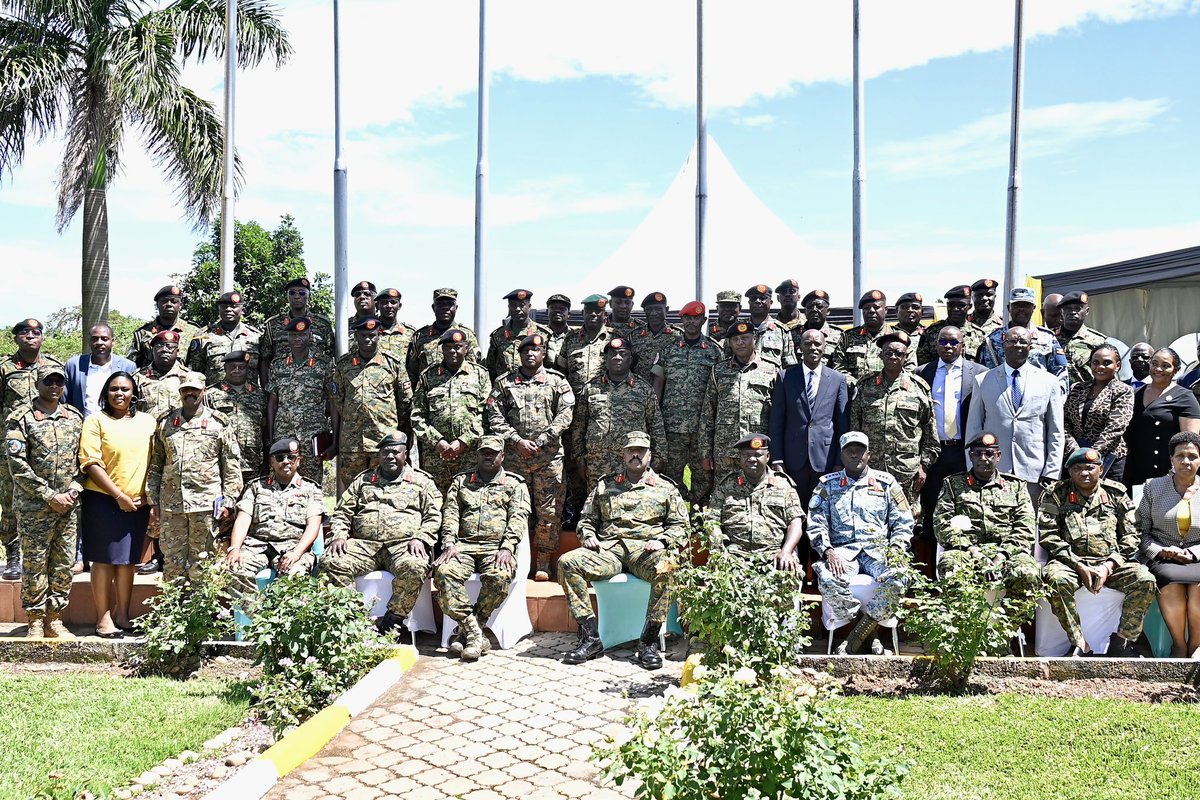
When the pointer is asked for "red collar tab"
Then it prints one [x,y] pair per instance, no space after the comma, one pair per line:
[971,481]
[38,415]
[741,481]
[844,481]
[621,478]
[175,422]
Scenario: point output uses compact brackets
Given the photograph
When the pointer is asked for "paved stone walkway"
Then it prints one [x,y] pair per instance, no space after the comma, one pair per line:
[516,723]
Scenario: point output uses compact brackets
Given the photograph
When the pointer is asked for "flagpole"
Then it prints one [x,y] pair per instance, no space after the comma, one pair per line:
[481,169]
[1011,260]
[228,223]
[341,282]
[701,153]
[860,175]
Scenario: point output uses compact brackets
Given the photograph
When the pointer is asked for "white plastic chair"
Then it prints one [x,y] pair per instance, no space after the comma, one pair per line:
[1099,616]
[510,622]
[863,587]
[377,587]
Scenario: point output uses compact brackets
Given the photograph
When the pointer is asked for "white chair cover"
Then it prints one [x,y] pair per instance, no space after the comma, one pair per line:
[376,587]
[863,587]
[510,622]
[1099,615]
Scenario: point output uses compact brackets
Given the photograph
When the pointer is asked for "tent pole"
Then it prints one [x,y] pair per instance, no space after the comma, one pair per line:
[481,169]
[701,152]
[1011,265]
[860,176]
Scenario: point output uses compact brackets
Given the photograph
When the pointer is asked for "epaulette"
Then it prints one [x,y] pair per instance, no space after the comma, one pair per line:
[734,475]
[772,475]
[20,410]
[829,477]
[1113,488]
[220,417]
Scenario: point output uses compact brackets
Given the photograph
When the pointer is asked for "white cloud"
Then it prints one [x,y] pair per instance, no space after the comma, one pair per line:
[755,120]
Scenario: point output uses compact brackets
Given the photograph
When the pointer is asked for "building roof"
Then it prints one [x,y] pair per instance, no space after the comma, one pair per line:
[1155,268]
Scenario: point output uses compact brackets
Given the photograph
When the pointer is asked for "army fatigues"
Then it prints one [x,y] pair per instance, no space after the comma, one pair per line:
[208,350]
[42,453]
[857,355]
[279,514]
[752,519]
[973,338]
[193,463]
[833,337]
[480,518]
[622,516]
[581,359]
[424,350]
[772,343]
[686,366]
[1046,353]
[141,352]
[274,341]
[1079,353]
[539,409]
[374,398]
[159,392]
[302,389]
[502,355]
[394,341]
[737,401]
[988,326]
[604,414]
[379,517]
[649,346]
[449,405]
[897,416]
[1076,529]
[245,408]
[555,342]
[18,386]
[861,519]
[1002,515]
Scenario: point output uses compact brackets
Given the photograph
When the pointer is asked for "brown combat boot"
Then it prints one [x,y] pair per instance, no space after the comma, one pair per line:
[56,629]
[475,639]
[35,630]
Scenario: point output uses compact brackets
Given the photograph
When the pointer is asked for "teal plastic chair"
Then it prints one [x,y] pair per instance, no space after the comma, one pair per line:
[1156,631]
[621,610]
[262,580]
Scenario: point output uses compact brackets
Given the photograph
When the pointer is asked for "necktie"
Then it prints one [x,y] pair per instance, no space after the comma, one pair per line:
[1018,394]
[949,409]
[811,389]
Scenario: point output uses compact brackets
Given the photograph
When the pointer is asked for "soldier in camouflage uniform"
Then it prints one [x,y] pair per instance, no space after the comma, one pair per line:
[530,409]
[816,317]
[425,349]
[447,411]
[395,337]
[300,401]
[610,407]
[756,511]
[1077,339]
[362,297]
[895,410]
[581,359]
[387,519]
[983,298]
[737,401]
[558,315]
[484,518]
[1087,528]
[958,301]
[244,407]
[729,310]
[372,396]
[681,374]
[622,322]
[158,383]
[502,355]
[772,341]
[17,388]
[278,519]
[1045,353]
[169,302]
[633,521]
[788,293]
[193,477]
[856,518]
[650,340]
[273,343]
[208,350]
[909,309]
[857,355]
[42,446]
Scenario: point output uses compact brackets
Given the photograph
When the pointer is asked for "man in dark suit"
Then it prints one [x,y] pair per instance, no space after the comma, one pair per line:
[87,373]
[951,379]
[810,410]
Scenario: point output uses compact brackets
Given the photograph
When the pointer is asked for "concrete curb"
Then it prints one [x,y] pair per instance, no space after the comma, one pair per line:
[260,775]
[90,650]
[1151,670]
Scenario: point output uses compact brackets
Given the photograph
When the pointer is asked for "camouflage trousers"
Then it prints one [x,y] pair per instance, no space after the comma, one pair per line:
[183,538]
[835,592]
[581,565]
[601,462]
[683,450]
[312,469]
[451,582]
[8,518]
[258,555]
[350,464]
[443,470]
[574,488]
[545,483]
[1021,574]
[1131,579]
[48,548]
[363,556]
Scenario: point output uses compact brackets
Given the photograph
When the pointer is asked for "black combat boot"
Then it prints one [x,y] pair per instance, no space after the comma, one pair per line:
[12,572]
[862,631]
[1120,647]
[589,646]
[389,623]
[647,655]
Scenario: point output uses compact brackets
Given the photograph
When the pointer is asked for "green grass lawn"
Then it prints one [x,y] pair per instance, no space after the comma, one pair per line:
[102,731]
[1009,746]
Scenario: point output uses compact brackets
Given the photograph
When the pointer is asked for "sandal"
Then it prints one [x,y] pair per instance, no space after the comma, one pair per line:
[117,634]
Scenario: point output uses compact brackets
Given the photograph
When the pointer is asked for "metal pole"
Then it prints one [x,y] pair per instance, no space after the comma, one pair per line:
[228,223]
[341,282]
[860,175]
[481,165]
[1012,266]
[701,152]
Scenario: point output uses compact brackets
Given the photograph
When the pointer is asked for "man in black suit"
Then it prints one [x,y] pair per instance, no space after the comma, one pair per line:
[810,410]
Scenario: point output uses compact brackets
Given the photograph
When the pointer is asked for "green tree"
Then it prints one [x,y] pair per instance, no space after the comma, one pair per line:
[90,72]
[263,262]
[64,330]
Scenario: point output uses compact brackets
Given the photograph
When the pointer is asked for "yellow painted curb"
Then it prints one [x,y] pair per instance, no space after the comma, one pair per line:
[406,655]
[307,740]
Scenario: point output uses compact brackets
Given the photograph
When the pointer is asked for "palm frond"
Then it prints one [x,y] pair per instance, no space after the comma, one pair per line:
[142,62]
[36,73]
[201,26]
[92,153]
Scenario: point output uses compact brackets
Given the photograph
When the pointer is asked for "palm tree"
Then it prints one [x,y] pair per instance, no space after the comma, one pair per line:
[90,70]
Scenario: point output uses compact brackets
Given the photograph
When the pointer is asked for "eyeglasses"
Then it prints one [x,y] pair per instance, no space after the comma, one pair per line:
[948,342]
[281,457]
[979,452]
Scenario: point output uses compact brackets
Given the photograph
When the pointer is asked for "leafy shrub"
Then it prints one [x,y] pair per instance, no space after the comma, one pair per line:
[182,617]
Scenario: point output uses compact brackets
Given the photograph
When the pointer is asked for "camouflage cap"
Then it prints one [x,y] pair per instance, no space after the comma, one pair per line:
[729,296]
[494,443]
[193,380]
[561,299]
[50,368]
[637,439]
[445,292]
[853,437]
[1022,294]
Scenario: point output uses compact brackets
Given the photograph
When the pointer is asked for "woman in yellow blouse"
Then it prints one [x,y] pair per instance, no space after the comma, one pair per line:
[114,453]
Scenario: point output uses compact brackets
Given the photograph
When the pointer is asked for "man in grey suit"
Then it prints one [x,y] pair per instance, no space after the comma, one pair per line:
[1023,406]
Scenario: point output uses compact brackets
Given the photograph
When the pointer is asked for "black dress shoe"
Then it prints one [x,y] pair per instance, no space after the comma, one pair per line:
[149,568]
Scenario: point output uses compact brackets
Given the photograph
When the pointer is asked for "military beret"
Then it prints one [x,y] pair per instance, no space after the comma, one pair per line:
[234,356]
[983,439]
[27,325]
[815,294]
[230,299]
[518,294]
[853,437]
[165,336]
[693,309]
[365,324]
[559,298]
[740,328]
[895,336]
[910,297]
[289,446]
[445,292]
[452,335]
[617,343]
[297,283]
[297,324]
[490,443]
[870,297]
[168,291]
[621,291]
[1071,298]
[386,293]
[758,290]
[983,284]
[597,300]
[50,368]
[1022,294]
[753,441]
[790,283]
[637,439]
[958,292]
[654,297]
[729,296]
[1084,455]
[193,380]
[363,286]
[394,439]
[532,340]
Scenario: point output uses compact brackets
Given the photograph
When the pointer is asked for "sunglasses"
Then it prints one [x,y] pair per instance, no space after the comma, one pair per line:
[948,342]
[281,457]
[980,453]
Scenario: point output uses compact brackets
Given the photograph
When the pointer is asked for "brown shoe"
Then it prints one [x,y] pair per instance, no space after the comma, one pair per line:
[56,629]
[36,629]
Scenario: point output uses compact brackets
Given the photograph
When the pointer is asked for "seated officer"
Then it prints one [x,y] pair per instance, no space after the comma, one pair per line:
[485,516]
[627,523]
[278,519]
[855,518]
[757,511]
[387,519]
[1088,529]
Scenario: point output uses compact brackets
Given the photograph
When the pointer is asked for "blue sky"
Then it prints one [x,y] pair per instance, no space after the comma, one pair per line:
[592,119]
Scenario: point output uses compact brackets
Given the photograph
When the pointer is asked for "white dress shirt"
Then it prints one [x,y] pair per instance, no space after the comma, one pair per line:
[947,389]
[816,378]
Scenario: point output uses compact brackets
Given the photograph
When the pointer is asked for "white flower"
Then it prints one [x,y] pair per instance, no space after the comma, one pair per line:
[699,671]
[746,675]
[961,523]
[651,707]
[650,737]
[203,554]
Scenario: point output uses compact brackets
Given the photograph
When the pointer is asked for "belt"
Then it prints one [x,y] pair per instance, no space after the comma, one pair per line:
[950,442]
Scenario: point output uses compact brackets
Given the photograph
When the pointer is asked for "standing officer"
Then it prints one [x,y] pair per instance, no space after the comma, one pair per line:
[581,359]
[856,354]
[983,297]
[387,519]
[737,401]
[362,297]
[756,510]
[1088,529]
[788,293]
[245,410]
[447,411]
[729,309]
[530,409]
[772,341]
[158,382]
[502,355]
[426,349]
[395,337]
[273,343]
[169,304]
[630,519]
[1077,339]
[651,338]
[208,350]
[958,301]
[1046,353]
[621,301]
[42,446]
[816,318]
[300,402]
[485,516]
[909,309]
[193,479]
[558,316]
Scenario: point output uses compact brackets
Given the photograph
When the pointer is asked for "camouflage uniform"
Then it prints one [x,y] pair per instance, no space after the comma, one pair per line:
[539,409]
[773,343]
[686,366]
[424,351]
[301,389]
[1046,353]
[989,326]
[622,516]
[374,397]
[394,341]
[582,360]
[449,405]
[861,519]
[193,463]
[752,519]
[141,352]
[607,411]
[18,386]
[379,517]
[1078,349]
[274,341]
[1002,515]
[833,337]
[649,346]
[554,344]
[208,350]
[737,401]
[502,354]
[857,355]
[1075,530]
[897,416]
[480,519]
[245,408]
[278,514]
[160,393]
[973,338]
[42,457]
[718,331]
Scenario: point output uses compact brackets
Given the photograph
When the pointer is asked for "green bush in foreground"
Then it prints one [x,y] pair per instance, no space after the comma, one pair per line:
[182,617]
